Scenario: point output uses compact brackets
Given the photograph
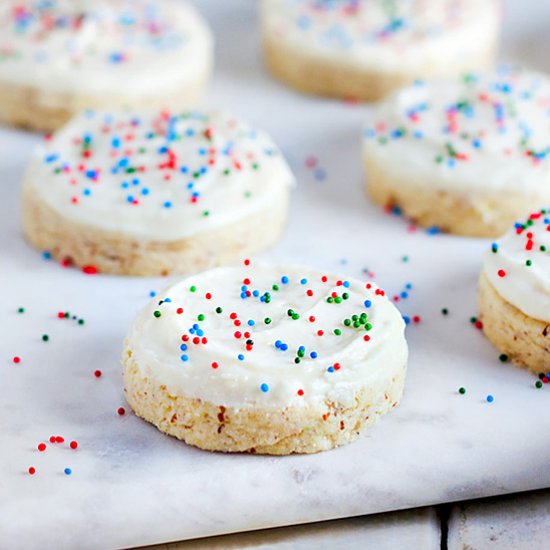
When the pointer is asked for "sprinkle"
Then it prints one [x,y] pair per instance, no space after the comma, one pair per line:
[97,373]
[461,390]
[264,387]
[73,444]
[41,447]
[121,411]
[67,471]
[490,398]
[32,470]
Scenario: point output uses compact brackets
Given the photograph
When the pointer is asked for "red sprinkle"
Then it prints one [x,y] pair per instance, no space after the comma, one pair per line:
[32,470]
[121,411]
[17,359]
[97,373]
[41,447]
[501,273]
[73,444]
[90,270]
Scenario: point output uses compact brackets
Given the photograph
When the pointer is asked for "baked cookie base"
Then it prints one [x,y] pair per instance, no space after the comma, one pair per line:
[461,213]
[312,75]
[32,108]
[255,430]
[118,254]
[526,341]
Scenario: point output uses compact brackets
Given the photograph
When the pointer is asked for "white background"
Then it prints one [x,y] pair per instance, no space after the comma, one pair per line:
[132,485]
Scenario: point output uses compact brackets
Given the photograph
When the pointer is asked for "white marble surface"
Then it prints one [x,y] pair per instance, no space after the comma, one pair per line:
[417,529]
[131,485]
[508,523]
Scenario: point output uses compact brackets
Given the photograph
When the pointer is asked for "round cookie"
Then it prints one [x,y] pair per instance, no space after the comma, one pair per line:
[60,57]
[263,359]
[364,50]
[514,293]
[156,193]
[466,155]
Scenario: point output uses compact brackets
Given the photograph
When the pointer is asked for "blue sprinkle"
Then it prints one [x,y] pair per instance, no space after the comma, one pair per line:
[368,303]
[406,319]
[200,332]
[490,398]
[67,471]
[196,326]
[152,293]
[494,247]
[244,295]
[264,387]
[167,204]
[303,281]
[434,230]
[284,347]
[345,284]
[46,255]
[330,369]
[184,358]
[169,300]
[404,295]
[284,279]
[313,355]
[250,322]
[256,293]
[183,347]
[240,357]
[278,344]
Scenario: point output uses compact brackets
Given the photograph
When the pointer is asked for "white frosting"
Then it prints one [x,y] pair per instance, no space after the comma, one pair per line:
[158,176]
[481,134]
[527,287]
[411,36]
[124,47]
[155,341]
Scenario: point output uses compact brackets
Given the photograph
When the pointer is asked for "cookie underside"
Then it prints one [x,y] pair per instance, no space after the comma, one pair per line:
[526,341]
[276,431]
[119,254]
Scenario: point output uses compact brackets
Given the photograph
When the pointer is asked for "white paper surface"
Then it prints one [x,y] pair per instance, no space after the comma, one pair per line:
[130,485]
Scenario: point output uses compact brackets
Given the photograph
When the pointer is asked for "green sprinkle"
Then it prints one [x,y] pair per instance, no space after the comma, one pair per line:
[345,296]
[157,313]
[200,317]
[45,337]
[81,321]
[330,299]
[538,384]
[206,213]
[347,322]
[296,316]
[267,320]
[528,263]
[503,358]
[368,326]
[337,331]
[21,310]
[445,311]
[219,309]
[275,287]
[338,300]
[461,391]
[193,288]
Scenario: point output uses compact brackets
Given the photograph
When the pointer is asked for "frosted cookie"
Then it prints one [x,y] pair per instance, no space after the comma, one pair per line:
[59,57]
[153,194]
[365,49]
[514,293]
[264,359]
[467,155]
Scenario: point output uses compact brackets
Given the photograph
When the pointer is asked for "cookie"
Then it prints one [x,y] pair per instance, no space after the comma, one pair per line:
[60,57]
[514,293]
[364,50]
[468,155]
[156,193]
[271,360]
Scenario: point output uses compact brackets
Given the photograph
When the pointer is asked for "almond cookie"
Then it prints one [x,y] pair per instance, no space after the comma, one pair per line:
[60,57]
[155,193]
[272,360]
[514,293]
